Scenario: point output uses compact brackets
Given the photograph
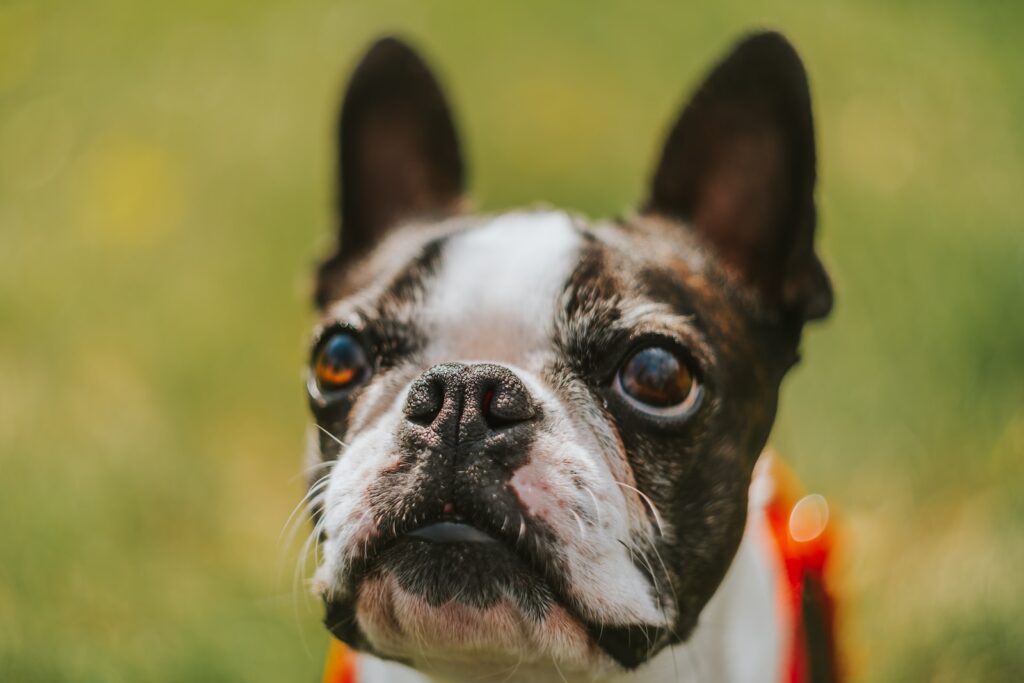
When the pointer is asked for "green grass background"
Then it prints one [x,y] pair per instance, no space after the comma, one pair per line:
[165,183]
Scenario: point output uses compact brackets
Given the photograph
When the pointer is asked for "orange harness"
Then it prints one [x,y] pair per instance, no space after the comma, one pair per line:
[803,539]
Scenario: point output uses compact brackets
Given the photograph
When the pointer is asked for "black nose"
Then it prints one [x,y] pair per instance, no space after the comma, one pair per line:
[468,402]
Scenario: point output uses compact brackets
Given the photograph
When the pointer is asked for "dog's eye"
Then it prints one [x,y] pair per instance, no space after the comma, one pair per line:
[656,380]
[341,363]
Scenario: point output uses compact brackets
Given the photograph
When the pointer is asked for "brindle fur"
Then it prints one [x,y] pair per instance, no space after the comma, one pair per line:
[744,291]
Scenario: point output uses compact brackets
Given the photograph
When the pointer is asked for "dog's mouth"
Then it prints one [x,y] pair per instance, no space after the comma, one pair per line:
[452,532]
[470,560]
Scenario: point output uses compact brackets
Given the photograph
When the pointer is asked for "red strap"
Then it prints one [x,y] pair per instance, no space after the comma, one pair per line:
[805,538]
[341,664]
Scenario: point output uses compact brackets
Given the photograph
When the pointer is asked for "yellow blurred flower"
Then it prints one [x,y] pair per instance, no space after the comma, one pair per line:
[131,192]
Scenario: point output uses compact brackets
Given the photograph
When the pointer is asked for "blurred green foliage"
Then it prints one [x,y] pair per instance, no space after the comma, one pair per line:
[165,184]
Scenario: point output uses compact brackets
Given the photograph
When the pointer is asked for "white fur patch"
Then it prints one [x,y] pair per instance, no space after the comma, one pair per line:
[497,286]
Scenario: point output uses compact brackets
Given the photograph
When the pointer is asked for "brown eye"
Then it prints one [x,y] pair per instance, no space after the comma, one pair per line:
[341,363]
[656,380]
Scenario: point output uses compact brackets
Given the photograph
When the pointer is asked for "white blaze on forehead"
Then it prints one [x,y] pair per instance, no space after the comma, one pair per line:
[497,287]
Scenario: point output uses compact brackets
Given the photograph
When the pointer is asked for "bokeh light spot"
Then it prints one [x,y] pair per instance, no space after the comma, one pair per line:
[132,192]
[809,518]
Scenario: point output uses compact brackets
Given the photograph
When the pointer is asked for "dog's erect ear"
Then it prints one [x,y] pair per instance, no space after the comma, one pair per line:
[739,168]
[399,155]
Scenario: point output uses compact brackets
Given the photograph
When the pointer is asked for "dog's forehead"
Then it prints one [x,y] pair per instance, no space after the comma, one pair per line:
[496,287]
[511,288]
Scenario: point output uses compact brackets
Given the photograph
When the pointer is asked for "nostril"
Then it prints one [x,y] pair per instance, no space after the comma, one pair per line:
[495,422]
[423,404]
[453,398]
[505,406]
[486,402]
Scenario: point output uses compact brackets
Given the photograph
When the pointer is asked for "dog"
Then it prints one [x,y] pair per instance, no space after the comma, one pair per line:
[535,437]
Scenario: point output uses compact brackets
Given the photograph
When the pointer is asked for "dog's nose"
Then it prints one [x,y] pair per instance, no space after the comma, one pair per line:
[466,402]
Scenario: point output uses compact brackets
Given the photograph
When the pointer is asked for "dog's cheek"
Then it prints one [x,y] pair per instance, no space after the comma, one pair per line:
[709,516]
[706,490]
[348,523]
[578,481]
[573,493]
[355,435]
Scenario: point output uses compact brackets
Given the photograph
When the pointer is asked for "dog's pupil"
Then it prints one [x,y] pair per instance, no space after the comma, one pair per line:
[657,377]
[340,362]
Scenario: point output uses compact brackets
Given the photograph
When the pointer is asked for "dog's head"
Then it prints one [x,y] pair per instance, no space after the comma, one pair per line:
[536,433]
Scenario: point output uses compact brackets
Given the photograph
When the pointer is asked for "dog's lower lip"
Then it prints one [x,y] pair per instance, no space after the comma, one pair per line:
[452,532]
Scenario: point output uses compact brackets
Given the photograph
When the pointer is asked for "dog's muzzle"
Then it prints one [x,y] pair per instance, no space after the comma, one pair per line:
[467,428]
[448,525]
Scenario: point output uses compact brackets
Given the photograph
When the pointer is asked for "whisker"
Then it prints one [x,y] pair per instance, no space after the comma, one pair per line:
[647,563]
[657,592]
[289,541]
[314,490]
[306,471]
[319,528]
[333,437]
[303,558]
[560,674]
[597,508]
[301,568]
[314,497]
[668,576]
[579,523]
[512,673]
[286,538]
[650,504]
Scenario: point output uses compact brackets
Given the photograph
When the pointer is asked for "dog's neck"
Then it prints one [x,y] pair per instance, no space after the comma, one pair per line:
[737,640]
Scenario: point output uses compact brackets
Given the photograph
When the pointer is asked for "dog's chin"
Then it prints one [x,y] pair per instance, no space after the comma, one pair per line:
[401,625]
[462,602]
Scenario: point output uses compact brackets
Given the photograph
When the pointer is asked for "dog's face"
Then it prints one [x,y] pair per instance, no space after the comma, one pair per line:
[536,432]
